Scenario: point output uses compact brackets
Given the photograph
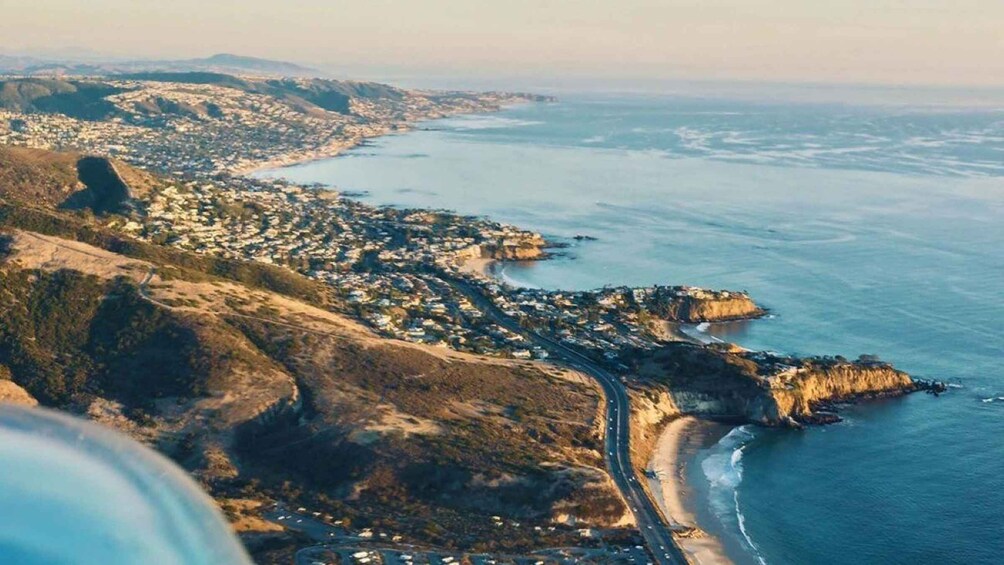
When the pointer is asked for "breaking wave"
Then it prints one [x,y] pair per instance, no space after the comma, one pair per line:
[723,469]
[483,122]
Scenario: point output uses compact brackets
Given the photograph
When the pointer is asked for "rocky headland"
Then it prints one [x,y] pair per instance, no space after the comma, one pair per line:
[530,247]
[695,305]
[724,382]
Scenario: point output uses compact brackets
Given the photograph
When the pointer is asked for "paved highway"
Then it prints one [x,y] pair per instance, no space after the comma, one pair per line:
[617,446]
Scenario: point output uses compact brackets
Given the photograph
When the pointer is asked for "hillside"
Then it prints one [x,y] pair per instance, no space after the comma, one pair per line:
[87,99]
[79,99]
[263,396]
[305,95]
[220,62]
[70,180]
[228,62]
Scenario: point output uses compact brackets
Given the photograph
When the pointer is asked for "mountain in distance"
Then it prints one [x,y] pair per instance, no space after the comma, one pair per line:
[87,98]
[228,61]
[14,63]
[220,63]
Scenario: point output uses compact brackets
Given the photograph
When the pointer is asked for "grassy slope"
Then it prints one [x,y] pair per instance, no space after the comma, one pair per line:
[490,439]
[48,180]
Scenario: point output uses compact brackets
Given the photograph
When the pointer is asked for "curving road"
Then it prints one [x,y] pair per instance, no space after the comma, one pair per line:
[617,446]
[617,438]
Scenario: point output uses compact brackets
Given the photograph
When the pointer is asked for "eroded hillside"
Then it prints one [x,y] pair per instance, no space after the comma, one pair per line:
[266,397]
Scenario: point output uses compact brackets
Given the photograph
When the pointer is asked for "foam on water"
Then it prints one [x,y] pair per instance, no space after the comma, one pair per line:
[700,332]
[484,122]
[723,469]
[864,229]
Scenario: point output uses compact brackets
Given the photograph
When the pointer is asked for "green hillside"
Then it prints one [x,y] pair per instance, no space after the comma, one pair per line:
[78,99]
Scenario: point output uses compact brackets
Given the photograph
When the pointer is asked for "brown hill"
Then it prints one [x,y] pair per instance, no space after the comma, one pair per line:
[70,180]
[269,397]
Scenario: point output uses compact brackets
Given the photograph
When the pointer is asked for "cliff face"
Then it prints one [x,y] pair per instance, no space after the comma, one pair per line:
[842,381]
[693,305]
[527,249]
[650,410]
[692,309]
[763,389]
[735,307]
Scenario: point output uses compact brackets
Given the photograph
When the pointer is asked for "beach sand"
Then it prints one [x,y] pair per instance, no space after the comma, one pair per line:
[480,266]
[678,444]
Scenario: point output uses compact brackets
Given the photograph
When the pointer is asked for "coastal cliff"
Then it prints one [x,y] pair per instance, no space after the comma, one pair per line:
[716,309]
[763,388]
[817,384]
[527,248]
[695,305]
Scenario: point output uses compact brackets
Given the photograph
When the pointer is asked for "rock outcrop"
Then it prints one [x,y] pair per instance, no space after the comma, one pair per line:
[694,305]
[522,249]
[766,389]
[819,384]
[717,309]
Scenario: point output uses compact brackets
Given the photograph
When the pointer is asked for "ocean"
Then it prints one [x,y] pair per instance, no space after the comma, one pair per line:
[864,229]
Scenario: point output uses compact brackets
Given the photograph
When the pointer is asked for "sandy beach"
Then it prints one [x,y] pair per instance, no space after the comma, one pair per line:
[479,266]
[679,442]
[333,149]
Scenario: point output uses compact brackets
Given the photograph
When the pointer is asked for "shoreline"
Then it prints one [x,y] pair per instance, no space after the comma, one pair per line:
[332,150]
[677,446]
[480,266]
[339,147]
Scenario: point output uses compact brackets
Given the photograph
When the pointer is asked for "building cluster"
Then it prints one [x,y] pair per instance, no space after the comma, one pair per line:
[393,268]
[606,322]
[385,263]
[191,129]
[400,271]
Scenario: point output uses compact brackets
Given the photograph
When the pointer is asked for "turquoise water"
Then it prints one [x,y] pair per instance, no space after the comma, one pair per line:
[864,230]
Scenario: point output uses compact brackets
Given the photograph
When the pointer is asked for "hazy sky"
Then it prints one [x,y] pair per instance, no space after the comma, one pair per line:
[863,41]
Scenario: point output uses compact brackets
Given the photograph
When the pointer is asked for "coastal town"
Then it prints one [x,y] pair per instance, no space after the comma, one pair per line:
[222,124]
[396,270]
[630,282]
[424,277]
[419,276]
